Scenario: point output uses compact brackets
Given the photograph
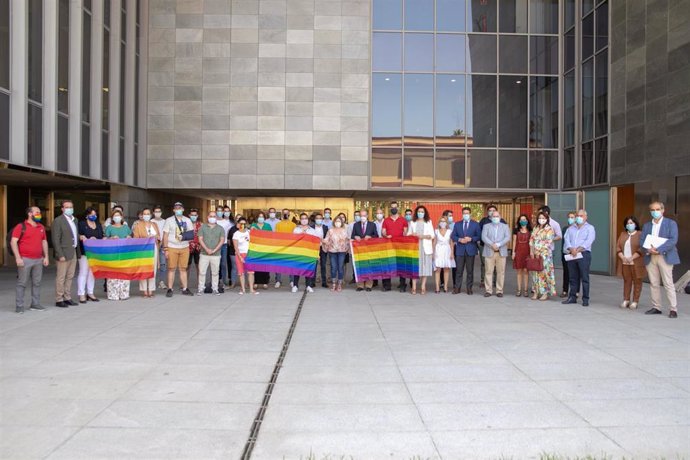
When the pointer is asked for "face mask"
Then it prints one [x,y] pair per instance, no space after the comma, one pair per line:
[260,220]
[319,221]
[304,221]
[157,215]
[450,219]
[327,215]
[408,217]
[579,220]
[212,220]
[117,219]
[271,215]
[542,221]
[394,211]
[36,217]
[92,218]
[363,218]
[178,212]
[523,223]
[338,224]
[571,220]
[420,215]
[358,218]
[656,214]
[466,217]
[379,216]
[286,216]
[496,220]
[69,211]
[146,217]
[442,224]
[630,227]
[193,218]
[226,214]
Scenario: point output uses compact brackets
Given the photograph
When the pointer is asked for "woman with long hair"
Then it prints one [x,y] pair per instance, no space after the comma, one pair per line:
[423,229]
[540,246]
[146,228]
[117,289]
[521,235]
[89,229]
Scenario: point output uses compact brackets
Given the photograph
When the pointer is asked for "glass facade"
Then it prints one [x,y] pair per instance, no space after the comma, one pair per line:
[465,94]
[63,87]
[105,105]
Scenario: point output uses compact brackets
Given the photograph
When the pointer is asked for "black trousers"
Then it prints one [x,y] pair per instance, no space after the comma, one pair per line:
[578,270]
[463,263]
[387,282]
[323,258]
[566,275]
[453,270]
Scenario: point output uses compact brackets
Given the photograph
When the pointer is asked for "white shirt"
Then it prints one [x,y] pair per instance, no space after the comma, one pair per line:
[309,231]
[319,231]
[272,222]
[656,226]
[73,226]
[627,251]
[242,238]
[160,223]
[557,231]
[379,227]
[173,231]
[226,224]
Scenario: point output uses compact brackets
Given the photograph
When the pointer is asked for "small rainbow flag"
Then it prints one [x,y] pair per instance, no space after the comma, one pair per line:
[125,259]
[294,254]
[386,258]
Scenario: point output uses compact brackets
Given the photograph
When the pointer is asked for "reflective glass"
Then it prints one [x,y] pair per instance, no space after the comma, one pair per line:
[85,149]
[5,44]
[86,69]
[543,169]
[481,166]
[104,155]
[419,15]
[512,111]
[386,167]
[62,143]
[512,54]
[481,110]
[544,55]
[450,15]
[418,168]
[587,164]
[587,36]
[543,124]
[387,54]
[587,99]
[512,16]
[543,16]
[602,18]
[386,109]
[512,168]
[483,15]
[419,52]
[482,53]
[569,49]
[4,126]
[450,110]
[35,50]
[34,135]
[601,102]
[450,168]
[587,6]
[601,156]
[387,14]
[419,109]
[450,53]
[569,168]
[569,108]
[63,56]
[569,11]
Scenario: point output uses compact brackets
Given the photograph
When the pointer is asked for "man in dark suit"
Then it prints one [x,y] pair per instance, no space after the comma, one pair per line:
[65,244]
[364,230]
[466,235]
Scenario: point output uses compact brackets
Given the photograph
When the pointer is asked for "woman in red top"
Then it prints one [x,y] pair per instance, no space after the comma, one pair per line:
[521,235]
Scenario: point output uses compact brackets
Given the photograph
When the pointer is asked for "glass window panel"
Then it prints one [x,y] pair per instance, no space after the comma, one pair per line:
[544,55]
[512,168]
[569,107]
[483,15]
[419,15]
[481,110]
[104,155]
[387,14]
[387,109]
[35,49]
[5,44]
[419,52]
[450,53]
[4,126]
[569,11]
[602,18]
[512,111]
[482,53]
[123,88]
[87,4]
[450,110]
[123,24]
[34,135]
[386,167]
[601,161]
[106,79]
[86,70]
[587,36]
[482,168]
[63,56]
[121,160]
[85,149]
[543,125]
[587,6]
[587,163]
[387,51]
[587,99]
[569,49]
[419,109]
[106,14]
[512,16]
[450,168]
[543,169]
[543,16]
[602,88]
[569,168]
[450,15]
[62,143]
[512,54]
[418,168]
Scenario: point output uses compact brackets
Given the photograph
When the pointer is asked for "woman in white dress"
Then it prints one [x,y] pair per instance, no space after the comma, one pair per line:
[423,229]
[443,254]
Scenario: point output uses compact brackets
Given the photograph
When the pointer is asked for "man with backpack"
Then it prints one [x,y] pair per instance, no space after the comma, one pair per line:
[29,245]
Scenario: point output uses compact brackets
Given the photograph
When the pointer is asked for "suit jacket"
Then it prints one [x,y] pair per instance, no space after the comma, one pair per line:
[63,239]
[668,230]
[369,231]
[489,237]
[473,231]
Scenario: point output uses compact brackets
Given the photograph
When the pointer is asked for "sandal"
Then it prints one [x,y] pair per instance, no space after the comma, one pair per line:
[525,294]
[544,297]
[413,291]
[518,293]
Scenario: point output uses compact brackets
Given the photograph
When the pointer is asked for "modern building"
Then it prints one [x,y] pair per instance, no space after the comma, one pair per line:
[304,103]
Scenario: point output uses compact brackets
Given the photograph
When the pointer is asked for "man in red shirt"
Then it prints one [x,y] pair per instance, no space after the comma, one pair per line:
[30,249]
[394,225]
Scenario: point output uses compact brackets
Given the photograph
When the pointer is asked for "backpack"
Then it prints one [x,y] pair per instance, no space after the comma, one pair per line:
[8,239]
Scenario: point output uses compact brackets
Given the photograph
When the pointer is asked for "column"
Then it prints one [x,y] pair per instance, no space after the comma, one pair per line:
[50,44]
[75,38]
[18,83]
[129,108]
[97,12]
[114,92]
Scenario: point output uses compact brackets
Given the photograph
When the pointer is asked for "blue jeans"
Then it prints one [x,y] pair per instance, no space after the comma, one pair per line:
[337,265]
[223,272]
[578,270]
[162,273]
[310,282]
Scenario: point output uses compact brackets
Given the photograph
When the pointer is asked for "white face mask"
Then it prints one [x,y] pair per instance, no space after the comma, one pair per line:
[211,220]
[157,215]
[442,224]
[338,224]
[271,215]
[379,216]
[542,221]
[304,221]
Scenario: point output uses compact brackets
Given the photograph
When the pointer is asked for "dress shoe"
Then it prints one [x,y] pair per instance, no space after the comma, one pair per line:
[673,314]
[64,305]
[653,311]
[82,299]
[403,289]
[456,291]
[569,300]
[359,289]
[92,298]
[487,294]
[500,294]
[368,289]
[71,302]
[386,289]
[470,291]
[585,303]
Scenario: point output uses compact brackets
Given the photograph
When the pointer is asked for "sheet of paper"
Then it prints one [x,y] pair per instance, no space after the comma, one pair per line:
[652,240]
[568,257]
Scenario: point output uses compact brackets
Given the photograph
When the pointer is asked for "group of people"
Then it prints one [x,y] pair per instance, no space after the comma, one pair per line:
[447,251]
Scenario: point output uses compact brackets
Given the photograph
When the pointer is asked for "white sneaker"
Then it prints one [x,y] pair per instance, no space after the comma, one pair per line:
[633,305]
[162,285]
[277,286]
[199,292]
[625,304]
[216,293]
[292,284]
[294,288]
[310,289]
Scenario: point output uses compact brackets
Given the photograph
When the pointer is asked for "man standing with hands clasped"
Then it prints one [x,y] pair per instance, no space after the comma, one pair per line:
[30,248]
[211,239]
[660,258]
[65,244]
[466,235]
[496,237]
[577,247]
[364,230]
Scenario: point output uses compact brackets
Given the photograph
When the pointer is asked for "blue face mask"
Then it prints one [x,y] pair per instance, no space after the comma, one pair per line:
[466,217]
[656,214]
[631,227]
[450,219]
[579,220]
[420,215]
[358,218]
[193,218]
[408,217]
[226,214]
[523,223]
[327,215]
[178,212]
[571,220]
[319,221]
[260,220]
[69,211]
[496,220]
[93,218]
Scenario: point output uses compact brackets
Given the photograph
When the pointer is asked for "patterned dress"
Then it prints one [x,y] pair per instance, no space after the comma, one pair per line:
[118,289]
[540,242]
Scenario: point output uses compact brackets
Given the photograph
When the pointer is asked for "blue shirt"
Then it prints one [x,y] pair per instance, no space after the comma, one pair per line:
[579,237]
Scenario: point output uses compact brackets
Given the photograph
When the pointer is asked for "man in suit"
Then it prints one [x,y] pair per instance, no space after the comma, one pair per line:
[364,230]
[67,252]
[322,229]
[496,236]
[466,235]
[660,260]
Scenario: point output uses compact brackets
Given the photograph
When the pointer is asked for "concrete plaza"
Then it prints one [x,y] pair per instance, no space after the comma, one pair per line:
[366,376]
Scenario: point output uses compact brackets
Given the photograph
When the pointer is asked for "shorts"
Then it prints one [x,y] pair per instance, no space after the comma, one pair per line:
[240,264]
[178,258]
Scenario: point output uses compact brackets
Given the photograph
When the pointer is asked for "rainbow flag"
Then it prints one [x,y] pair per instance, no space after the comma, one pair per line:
[125,259]
[386,258]
[294,254]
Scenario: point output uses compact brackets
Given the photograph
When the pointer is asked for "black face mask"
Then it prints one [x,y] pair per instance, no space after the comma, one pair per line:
[394,211]
[286,216]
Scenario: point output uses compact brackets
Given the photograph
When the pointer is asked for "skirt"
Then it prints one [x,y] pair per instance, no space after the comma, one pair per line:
[426,264]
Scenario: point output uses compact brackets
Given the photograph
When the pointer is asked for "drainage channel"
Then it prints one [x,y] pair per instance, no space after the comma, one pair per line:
[256,426]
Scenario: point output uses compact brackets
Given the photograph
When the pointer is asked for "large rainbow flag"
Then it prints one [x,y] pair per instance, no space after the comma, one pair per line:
[294,254]
[386,258]
[125,259]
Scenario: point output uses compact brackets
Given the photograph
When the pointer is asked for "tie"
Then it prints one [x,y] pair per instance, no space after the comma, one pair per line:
[464,230]
[363,227]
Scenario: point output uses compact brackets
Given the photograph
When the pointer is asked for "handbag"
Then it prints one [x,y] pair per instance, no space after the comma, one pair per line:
[535,264]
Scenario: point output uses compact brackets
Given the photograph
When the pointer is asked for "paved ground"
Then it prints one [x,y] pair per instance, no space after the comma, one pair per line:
[378,375]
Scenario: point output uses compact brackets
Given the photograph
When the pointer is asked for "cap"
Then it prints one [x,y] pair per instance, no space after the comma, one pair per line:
[178,204]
